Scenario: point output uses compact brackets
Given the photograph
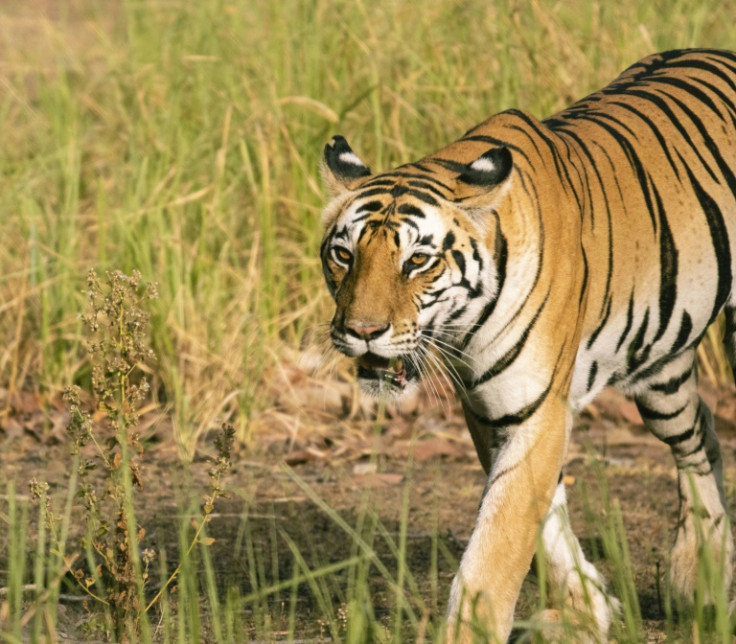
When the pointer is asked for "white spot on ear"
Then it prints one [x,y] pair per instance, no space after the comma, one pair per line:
[483,164]
[351,158]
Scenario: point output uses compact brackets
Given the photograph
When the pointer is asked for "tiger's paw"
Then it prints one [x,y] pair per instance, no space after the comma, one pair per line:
[701,562]
[554,626]
[587,610]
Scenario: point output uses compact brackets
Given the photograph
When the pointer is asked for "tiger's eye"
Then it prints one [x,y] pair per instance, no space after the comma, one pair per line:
[342,254]
[419,259]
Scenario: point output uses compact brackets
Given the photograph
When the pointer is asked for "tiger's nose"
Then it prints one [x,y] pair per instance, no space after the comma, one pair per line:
[365,330]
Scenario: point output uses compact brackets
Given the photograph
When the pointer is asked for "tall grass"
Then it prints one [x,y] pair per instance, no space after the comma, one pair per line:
[372,594]
[183,139]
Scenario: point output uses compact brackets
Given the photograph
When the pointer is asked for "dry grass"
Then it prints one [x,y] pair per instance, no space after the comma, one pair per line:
[182,139]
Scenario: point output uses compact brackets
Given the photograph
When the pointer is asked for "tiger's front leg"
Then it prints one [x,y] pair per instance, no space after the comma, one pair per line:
[522,478]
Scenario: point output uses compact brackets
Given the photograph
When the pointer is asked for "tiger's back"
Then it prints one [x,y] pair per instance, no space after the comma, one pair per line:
[544,260]
[660,140]
[643,175]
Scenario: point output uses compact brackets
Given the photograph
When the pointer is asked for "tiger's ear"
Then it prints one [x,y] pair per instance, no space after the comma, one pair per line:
[489,170]
[341,166]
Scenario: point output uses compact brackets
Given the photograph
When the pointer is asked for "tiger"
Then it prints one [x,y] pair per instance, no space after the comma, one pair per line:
[541,261]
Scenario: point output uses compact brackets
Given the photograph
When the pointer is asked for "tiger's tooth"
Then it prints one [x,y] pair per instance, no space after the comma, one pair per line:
[398,364]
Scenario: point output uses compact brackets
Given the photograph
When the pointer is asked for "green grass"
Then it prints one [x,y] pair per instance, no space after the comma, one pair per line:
[374,593]
[183,139]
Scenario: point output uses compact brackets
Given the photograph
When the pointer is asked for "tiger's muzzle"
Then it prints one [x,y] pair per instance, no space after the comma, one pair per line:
[388,374]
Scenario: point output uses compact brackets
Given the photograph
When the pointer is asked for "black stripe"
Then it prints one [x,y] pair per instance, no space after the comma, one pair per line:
[652,369]
[326,241]
[425,197]
[425,185]
[457,313]
[668,272]
[496,143]
[581,189]
[633,360]
[409,209]
[725,100]
[460,261]
[686,326]
[629,322]
[399,191]
[356,220]
[448,241]
[591,375]
[687,86]
[679,438]
[542,133]
[502,473]
[700,418]
[559,127]
[509,420]
[654,127]
[676,121]
[508,358]
[600,327]
[723,166]
[412,224]
[585,278]
[653,414]
[501,255]
[484,139]
[451,165]
[715,66]
[719,238]
[381,180]
[699,446]
[488,309]
[371,206]
[427,178]
[673,384]
[630,150]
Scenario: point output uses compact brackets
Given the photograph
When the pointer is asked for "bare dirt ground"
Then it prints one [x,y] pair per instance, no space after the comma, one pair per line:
[420,462]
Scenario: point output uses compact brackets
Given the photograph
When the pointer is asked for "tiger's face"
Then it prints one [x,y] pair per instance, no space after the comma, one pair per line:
[408,268]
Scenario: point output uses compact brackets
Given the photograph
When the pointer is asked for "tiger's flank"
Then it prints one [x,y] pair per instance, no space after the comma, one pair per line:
[536,262]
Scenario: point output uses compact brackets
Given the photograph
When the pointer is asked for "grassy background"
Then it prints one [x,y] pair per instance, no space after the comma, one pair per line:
[183,139]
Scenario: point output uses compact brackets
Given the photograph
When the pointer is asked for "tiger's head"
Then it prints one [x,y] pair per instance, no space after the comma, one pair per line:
[413,259]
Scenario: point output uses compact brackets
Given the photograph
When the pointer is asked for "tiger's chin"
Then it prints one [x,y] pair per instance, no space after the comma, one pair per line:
[392,377]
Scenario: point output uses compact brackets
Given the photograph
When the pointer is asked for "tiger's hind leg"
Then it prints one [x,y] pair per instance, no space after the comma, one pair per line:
[675,413]
[572,579]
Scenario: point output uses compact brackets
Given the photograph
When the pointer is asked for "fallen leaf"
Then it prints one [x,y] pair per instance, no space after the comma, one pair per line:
[427,449]
[383,479]
[301,456]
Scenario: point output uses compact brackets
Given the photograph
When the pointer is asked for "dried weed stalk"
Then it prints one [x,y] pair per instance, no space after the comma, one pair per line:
[117,323]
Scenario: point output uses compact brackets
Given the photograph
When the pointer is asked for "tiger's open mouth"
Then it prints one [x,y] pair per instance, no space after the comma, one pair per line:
[395,372]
